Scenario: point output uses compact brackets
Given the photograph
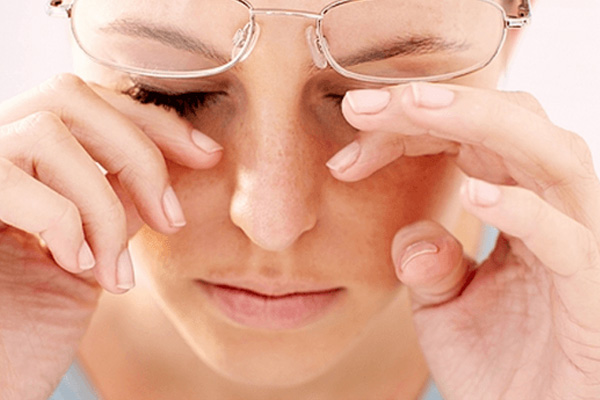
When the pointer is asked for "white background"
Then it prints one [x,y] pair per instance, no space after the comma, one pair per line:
[558,60]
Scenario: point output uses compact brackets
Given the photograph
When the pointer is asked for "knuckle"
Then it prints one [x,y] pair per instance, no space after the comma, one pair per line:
[526,97]
[63,82]
[589,246]
[538,211]
[56,90]
[528,101]
[149,165]
[115,212]
[10,175]
[67,215]
[581,151]
[35,132]
[152,155]
[130,175]
[41,121]
[47,127]
[107,216]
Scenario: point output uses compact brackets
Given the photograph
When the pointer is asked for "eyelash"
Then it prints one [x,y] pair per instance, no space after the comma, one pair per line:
[184,104]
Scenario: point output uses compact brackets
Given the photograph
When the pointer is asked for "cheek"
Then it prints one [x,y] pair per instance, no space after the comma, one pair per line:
[373,210]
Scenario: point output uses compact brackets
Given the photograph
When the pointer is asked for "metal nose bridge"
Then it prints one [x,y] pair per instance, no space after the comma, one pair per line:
[314,45]
[289,13]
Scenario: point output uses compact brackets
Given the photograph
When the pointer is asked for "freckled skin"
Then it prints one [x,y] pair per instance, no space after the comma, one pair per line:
[271,208]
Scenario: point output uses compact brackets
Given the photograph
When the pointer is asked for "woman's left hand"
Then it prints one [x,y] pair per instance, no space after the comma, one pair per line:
[525,324]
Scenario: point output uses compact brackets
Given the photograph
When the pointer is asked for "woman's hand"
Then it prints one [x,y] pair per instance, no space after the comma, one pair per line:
[525,324]
[52,189]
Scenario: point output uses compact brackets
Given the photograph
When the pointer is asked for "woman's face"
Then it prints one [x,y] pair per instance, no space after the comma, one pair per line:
[270,218]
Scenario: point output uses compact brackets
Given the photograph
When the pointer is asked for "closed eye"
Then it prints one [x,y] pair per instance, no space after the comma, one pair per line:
[184,104]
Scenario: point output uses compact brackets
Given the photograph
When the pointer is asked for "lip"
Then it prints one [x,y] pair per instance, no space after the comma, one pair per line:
[272,307]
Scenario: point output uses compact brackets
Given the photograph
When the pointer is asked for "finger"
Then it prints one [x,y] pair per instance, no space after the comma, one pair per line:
[536,154]
[457,113]
[430,261]
[523,214]
[175,137]
[372,151]
[112,140]
[508,124]
[134,221]
[34,143]
[33,207]
[568,249]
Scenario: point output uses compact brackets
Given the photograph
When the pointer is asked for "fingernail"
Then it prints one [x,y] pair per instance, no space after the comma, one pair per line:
[125,279]
[86,257]
[412,253]
[205,143]
[172,208]
[368,101]
[431,96]
[482,193]
[344,158]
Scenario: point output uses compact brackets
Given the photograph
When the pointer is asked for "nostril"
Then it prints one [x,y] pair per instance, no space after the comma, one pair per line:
[274,243]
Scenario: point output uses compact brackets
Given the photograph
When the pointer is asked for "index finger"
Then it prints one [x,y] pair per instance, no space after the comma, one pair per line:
[177,139]
[511,125]
[538,155]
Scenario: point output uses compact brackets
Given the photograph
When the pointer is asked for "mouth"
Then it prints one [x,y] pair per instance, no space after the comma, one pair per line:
[271,308]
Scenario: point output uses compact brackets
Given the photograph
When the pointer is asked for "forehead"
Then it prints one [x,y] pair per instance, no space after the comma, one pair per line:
[318,5]
[304,5]
[189,9]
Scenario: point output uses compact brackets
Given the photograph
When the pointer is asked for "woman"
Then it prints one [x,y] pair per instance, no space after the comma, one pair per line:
[294,210]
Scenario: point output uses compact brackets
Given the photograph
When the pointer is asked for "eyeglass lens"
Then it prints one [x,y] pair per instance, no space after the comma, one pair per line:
[377,38]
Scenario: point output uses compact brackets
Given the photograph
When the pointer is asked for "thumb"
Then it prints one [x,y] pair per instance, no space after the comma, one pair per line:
[431,263]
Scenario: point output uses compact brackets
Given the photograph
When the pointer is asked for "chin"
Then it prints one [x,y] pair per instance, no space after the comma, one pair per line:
[268,358]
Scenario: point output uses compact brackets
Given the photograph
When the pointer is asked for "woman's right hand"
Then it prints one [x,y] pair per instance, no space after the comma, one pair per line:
[51,189]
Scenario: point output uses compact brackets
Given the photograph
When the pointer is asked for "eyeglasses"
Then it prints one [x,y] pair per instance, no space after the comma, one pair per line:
[381,41]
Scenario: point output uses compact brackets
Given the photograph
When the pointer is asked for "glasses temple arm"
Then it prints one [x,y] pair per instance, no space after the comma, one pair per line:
[523,18]
[58,8]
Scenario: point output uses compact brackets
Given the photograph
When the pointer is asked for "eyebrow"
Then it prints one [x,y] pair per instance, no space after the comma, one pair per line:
[178,39]
[167,35]
[404,46]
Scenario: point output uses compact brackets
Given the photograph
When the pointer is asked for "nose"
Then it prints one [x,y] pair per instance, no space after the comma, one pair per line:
[275,198]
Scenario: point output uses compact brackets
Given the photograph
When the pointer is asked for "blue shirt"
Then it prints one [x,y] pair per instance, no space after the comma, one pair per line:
[75,386]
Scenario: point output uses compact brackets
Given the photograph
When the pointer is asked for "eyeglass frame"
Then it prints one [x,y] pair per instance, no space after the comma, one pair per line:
[58,8]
